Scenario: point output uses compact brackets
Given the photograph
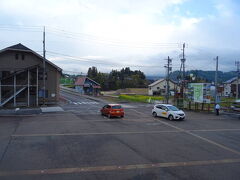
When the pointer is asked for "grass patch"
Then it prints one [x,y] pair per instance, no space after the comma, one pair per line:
[140,98]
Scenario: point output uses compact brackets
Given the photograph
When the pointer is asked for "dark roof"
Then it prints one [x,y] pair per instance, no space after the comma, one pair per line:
[230,80]
[20,47]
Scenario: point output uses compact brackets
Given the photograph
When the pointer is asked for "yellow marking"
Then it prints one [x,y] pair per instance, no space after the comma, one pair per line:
[164,113]
[100,133]
[115,167]
[119,133]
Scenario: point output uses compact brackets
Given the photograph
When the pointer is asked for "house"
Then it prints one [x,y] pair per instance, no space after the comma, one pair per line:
[85,85]
[22,79]
[229,87]
[159,87]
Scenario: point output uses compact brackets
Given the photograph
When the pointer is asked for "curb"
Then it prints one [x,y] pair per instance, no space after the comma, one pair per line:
[7,112]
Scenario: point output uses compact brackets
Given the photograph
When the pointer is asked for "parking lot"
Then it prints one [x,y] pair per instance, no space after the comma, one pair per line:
[79,143]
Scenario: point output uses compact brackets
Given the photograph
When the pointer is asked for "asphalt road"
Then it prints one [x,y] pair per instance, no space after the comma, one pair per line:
[79,143]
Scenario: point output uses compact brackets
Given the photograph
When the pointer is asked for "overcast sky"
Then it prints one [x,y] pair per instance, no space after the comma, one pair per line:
[111,34]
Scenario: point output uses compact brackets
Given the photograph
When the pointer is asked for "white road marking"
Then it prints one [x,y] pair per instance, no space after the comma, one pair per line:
[85,102]
[51,109]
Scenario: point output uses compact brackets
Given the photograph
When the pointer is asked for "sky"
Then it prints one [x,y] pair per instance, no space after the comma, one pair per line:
[112,34]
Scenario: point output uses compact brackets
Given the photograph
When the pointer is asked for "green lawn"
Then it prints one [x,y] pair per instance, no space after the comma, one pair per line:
[140,98]
[66,81]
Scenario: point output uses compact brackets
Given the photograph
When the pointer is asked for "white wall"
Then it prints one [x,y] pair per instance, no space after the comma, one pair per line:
[160,86]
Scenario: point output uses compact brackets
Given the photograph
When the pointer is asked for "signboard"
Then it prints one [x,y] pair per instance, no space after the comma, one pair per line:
[198,92]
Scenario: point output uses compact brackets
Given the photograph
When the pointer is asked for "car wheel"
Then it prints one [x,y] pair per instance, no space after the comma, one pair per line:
[154,114]
[122,116]
[170,117]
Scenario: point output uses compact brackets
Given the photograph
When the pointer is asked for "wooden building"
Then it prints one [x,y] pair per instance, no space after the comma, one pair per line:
[21,78]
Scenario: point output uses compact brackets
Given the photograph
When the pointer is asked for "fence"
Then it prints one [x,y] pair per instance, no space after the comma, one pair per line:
[209,107]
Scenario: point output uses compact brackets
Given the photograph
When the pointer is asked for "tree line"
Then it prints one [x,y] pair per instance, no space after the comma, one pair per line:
[125,78]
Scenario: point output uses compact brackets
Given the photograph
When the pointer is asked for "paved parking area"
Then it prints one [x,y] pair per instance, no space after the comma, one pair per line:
[79,143]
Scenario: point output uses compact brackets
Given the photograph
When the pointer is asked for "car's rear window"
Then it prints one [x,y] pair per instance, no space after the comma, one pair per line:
[116,107]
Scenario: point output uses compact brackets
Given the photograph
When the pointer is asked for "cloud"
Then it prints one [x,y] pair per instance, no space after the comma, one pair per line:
[135,32]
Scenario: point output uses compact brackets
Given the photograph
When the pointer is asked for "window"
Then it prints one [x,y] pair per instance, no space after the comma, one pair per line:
[116,107]
[165,108]
[158,87]
[16,56]
[23,56]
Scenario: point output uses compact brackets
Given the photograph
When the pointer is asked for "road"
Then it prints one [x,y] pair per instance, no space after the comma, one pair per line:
[79,143]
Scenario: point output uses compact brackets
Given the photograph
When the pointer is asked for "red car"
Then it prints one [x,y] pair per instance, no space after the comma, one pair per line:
[112,110]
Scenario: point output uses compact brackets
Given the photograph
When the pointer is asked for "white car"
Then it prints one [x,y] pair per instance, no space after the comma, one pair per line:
[168,111]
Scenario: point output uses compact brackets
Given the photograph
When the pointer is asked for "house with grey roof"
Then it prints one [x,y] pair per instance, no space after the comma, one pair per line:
[22,78]
[159,87]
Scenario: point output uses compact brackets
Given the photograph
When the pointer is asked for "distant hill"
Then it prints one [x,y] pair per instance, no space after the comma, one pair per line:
[209,76]
[154,78]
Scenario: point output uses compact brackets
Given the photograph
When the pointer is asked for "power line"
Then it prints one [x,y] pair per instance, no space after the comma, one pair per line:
[86,37]
[74,58]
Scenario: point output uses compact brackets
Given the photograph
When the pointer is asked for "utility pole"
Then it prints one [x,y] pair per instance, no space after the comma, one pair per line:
[216,80]
[237,63]
[44,67]
[183,60]
[169,63]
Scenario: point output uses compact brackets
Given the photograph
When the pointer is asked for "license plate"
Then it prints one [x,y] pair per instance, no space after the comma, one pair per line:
[118,111]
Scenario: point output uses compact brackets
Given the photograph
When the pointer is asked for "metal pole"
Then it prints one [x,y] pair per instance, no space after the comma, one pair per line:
[14,90]
[44,68]
[37,88]
[168,70]
[216,79]
[237,83]
[183,75]
[28,98]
